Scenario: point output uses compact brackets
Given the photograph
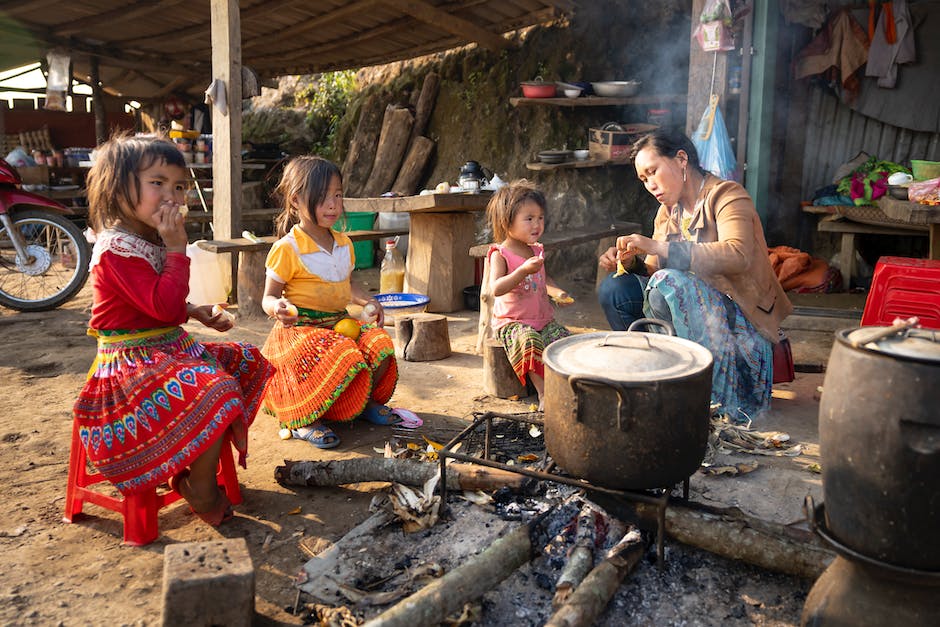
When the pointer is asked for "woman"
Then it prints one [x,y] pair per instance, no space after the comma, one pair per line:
[705,270]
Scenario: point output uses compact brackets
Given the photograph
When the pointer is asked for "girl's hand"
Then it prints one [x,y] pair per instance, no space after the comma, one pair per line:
[220,321]
[172,227]
[532,265]
[286,312]
[379,313]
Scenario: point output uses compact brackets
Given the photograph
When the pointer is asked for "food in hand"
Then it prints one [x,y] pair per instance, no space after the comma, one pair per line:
[348,327]
[370,311]
[620,268]
[292,309]
[184,210]
[220,309]
[564,300]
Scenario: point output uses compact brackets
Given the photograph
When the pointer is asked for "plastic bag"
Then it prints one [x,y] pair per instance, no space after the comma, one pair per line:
[924,191]
[57,81]
[715,10]
[713,143]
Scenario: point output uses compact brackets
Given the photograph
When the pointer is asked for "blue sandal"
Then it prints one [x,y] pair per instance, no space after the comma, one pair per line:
[317,434]
[380,415]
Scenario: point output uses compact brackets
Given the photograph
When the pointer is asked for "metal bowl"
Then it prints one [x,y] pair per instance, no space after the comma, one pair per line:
[616,89]
[898,191]
[556,156]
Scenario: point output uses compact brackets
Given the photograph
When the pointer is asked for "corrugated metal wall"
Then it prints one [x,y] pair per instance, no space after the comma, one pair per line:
[835,134]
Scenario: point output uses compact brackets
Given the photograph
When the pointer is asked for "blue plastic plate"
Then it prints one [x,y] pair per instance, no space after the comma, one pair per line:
[401,300]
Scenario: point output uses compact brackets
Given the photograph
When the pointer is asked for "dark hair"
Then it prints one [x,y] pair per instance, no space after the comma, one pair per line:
[502,207]
[113,188]
[306,178]
[667,143]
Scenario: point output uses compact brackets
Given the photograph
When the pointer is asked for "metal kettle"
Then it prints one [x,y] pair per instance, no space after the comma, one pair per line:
[471,177]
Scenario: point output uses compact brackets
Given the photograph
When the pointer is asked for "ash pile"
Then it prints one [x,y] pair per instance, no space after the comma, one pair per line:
[532,552]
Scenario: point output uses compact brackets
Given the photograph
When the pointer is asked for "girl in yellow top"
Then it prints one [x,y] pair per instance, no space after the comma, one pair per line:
[323,373]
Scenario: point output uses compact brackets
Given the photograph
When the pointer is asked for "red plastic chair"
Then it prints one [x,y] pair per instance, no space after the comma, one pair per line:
[139,510]
[902,287]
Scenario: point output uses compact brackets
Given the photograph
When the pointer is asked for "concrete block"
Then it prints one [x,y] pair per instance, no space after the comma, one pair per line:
[208,583]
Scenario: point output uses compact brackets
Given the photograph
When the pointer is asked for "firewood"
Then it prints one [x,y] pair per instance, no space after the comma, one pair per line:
[425,105]
[365,469]
[592,596]
[422,337]
[729,532]
[433,603]
[411,170]
[580,557]
[396,130]
[358,164]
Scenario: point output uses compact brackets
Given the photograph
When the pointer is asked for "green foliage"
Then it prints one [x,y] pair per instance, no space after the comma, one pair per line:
[325,99]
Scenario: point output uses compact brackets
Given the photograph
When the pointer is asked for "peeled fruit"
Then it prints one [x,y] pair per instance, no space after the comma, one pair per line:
[184,210]
[292,309]
[442,188]
[285,434]
[348,327]
[564,300]
[219,309]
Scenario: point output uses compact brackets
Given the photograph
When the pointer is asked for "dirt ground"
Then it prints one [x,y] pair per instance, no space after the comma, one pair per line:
[81,574]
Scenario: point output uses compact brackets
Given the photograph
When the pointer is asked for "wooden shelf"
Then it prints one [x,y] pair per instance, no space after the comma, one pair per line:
[587,163]
[599,101]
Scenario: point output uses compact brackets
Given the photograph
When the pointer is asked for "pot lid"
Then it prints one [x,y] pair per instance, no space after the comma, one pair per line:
[626,356]
[921,344]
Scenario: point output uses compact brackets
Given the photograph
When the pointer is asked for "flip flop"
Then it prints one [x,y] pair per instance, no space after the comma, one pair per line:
[380,415]
[409,419]
[317,434]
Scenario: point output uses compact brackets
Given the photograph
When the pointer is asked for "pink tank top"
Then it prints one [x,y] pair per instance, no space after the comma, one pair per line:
[527,302]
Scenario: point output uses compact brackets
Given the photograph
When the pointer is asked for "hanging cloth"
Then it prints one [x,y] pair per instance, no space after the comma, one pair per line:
[884,57]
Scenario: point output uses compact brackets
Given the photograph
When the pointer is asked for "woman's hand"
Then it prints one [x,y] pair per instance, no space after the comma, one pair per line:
[628,246]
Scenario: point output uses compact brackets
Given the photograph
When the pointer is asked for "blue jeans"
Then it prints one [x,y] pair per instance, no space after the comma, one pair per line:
[621,298]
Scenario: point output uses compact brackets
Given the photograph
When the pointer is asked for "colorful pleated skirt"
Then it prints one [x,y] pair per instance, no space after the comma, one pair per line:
[524,346]
[156,400]
[324,374]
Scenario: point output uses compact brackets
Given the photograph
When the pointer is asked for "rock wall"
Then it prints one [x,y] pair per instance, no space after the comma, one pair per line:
[473,118]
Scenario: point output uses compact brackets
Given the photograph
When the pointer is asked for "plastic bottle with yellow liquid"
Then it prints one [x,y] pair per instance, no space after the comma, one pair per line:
[392,274]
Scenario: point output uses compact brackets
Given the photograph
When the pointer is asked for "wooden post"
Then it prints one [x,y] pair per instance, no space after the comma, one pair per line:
[358,164]
[413,167]
[423,337]
[97,100]
[396,129]
[438,265]
[499,379]
[227,125]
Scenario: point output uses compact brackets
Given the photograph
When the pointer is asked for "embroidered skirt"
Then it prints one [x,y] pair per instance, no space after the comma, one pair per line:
[524,346]
[324,374]
[742,374]
[156,400]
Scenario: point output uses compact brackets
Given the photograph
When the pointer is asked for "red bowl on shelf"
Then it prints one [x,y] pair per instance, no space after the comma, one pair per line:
[538,89]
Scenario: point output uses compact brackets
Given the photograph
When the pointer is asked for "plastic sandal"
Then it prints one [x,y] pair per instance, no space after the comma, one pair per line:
[381,415]
[409,419]
[317,434]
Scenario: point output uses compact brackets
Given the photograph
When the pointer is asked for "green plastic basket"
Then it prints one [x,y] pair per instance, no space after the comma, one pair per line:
[360,221]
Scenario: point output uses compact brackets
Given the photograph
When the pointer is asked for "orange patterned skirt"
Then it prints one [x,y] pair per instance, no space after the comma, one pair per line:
[324,374]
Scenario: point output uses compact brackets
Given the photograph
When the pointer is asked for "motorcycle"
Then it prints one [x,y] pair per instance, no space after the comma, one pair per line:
[44,256]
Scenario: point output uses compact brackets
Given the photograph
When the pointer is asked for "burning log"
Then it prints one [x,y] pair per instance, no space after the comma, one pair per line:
[592,596]
[729,532]
[364,469]
[433,603]
[580,557]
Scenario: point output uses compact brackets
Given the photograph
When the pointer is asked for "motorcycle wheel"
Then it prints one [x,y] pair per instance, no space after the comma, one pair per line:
[57,267]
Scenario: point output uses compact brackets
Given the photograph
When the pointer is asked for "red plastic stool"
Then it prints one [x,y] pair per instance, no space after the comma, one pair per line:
[139,510]
[901,288]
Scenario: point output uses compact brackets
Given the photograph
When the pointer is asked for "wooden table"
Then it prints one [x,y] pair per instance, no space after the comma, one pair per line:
[916,214]
[442,231]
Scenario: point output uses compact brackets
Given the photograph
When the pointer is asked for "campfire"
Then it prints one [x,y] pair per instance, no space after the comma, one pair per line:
[512,540]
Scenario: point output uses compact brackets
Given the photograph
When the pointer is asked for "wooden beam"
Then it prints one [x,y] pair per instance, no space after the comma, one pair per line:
[449,22]
[227,125]
[16,7]
[168,88]
[311,24]
[117,15]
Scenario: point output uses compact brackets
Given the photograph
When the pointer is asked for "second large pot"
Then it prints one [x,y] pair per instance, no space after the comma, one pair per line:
[627,410]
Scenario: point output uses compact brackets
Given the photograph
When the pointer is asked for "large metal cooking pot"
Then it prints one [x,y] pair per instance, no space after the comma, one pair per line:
[627,410]
[879,438]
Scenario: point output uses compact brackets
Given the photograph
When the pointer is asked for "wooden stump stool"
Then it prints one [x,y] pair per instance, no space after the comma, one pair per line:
[422,337]
[499,379]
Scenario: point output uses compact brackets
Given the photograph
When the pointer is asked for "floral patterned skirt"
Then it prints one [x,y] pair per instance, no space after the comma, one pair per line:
[156,400]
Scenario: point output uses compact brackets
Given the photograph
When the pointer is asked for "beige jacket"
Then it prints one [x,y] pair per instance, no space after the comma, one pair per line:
[727,251]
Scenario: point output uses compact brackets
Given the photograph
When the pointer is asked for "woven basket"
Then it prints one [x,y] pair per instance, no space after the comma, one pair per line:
[868,214]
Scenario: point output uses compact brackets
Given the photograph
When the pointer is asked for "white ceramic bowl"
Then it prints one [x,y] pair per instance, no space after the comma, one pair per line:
[572,93]
[582,154]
